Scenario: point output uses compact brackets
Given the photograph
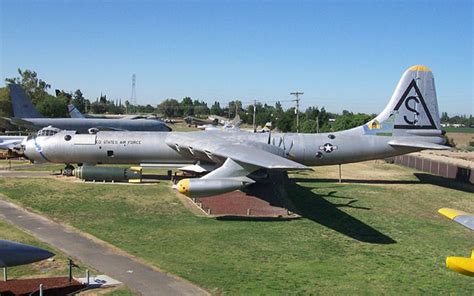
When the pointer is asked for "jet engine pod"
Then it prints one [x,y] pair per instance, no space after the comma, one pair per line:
[109,174]
[207,187]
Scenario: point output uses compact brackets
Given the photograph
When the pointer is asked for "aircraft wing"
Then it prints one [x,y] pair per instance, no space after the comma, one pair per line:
[463,218]
[10,142]
[463,265]
[216,148]
[239,159]
[417,144]
[22,122]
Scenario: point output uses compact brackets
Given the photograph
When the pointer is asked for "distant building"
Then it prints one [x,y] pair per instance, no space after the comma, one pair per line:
[452,124]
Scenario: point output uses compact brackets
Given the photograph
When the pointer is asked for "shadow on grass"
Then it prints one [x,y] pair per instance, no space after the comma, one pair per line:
[356,181]
[444,182]
[423,178]
[316,208]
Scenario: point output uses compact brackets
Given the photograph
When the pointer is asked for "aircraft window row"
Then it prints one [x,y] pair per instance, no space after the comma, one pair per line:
[46,132]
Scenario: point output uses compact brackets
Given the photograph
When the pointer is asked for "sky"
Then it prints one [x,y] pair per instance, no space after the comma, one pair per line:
[341,54]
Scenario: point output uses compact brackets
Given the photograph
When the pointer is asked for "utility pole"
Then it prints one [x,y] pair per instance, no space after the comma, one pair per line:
[254,112]
[317,124]
[297,100]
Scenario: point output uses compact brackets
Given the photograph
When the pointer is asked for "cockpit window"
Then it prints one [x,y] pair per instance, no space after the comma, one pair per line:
[47,131]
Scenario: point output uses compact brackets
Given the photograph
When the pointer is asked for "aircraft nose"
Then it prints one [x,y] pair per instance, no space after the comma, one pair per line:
[13,253]
[33,150]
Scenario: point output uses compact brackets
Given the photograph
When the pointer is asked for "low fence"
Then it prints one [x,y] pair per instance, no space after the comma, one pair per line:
[447,170]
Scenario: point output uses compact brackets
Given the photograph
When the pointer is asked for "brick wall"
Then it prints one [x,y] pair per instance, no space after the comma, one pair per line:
[440,168]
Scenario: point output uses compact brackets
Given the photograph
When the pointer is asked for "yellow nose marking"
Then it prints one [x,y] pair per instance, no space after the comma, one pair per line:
[461,265]
[183,186]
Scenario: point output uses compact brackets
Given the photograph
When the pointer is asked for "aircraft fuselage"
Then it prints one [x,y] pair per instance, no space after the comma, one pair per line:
[151,147]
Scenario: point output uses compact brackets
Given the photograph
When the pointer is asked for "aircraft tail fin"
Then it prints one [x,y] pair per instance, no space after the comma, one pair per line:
[236,121]
[413,106]
[22,105]
[74,112]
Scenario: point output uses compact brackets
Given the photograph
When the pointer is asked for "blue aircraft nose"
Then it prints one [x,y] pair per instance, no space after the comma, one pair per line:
[13,253]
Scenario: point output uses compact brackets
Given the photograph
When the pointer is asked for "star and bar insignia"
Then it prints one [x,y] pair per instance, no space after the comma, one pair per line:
[328,147]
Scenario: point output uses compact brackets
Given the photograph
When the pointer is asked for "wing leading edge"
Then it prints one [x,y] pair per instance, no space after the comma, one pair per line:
[239,160]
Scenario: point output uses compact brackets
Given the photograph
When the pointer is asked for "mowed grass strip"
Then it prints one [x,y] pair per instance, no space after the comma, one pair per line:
[377,233]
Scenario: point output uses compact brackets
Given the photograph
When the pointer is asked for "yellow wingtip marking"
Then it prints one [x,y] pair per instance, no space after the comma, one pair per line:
[460,264]
[451,213]
[420,68]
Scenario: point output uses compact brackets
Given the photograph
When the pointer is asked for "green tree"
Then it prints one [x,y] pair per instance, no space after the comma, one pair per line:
[444,117]
[53,106]
[200,108]
[169,108]
[5,103]
[35,88]
[349,120]
[286,123]
[309,126]
[79,101]
[216,109]
[187,106]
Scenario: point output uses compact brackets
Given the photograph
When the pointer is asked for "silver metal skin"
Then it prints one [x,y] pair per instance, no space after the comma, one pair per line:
[10,142]
[27,116]
[409,123]
[13,254]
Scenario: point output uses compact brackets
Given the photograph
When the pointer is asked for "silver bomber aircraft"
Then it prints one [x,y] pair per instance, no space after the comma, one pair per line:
[27,116]
[410,122]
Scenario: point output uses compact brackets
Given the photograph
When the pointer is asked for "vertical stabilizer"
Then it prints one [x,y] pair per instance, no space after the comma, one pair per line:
[414,105]
[22,105]
[74,112]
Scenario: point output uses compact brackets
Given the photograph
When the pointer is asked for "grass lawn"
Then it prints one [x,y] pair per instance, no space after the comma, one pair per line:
[378,233]
[459,129]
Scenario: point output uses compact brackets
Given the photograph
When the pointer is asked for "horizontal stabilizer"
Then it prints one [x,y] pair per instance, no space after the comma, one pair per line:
[417,144]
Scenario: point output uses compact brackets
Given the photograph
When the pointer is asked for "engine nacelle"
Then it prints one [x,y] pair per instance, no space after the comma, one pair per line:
[207,187]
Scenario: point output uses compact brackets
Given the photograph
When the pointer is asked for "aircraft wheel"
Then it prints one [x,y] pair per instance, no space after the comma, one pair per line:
[68,170]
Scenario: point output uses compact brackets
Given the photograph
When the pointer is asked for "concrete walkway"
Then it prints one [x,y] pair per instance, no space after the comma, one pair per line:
[115,263]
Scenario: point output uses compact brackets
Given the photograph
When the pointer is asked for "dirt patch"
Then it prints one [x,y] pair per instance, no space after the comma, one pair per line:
[461,139]
[51,286]
[368,170]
